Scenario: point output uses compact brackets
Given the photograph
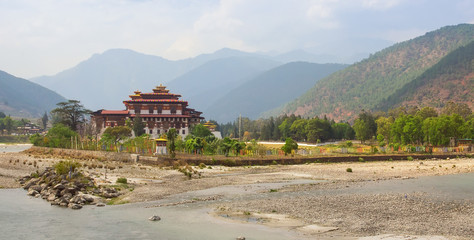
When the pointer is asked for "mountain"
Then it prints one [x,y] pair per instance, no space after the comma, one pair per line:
[202,86]
[269,90]
[22,98]
[451,79]
[105,80]
[368,83]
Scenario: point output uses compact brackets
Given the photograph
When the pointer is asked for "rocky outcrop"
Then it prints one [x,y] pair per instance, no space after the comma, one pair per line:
[60,190]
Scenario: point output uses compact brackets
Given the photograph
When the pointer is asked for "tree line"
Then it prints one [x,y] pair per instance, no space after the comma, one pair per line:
[280,128]
[402,125]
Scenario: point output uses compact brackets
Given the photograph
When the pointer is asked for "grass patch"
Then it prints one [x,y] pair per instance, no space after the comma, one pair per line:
[273,190]
[117,201]
[121,180]
[349,170]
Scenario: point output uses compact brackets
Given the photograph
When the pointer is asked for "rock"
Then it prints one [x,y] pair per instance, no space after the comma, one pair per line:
[100,205]
[59,187]
[51,197]
[154,218]
[88,198]
[32,192]
[74,206]
[30,183]
[37,188]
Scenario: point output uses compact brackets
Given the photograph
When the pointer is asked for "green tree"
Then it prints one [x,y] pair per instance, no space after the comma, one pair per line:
[201,131]
[2,115]
[237,146]
[116,134]
[226,145]
[383,127]
[171,136]
[71,113]
[138,126]
[365,126]
[298,129]
[318,129]
[284,128]
[427,112]
[59,136]
[8,122]
[289,146]
[44,120]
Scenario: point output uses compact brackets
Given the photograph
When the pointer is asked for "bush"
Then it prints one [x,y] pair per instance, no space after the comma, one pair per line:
[348,143]
[410,158]
[361,159]
[122,180]
[349,170]
[64,167]
[202,165]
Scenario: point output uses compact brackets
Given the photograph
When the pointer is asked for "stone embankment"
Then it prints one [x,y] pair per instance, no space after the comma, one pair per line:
[73,192]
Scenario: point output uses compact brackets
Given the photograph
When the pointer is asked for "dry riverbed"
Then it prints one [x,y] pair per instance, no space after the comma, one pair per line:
[328,205]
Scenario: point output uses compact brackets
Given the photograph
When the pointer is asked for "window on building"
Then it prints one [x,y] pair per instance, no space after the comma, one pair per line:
[159,110]
[151,131]
[184,131]
[173,110]
[150,110]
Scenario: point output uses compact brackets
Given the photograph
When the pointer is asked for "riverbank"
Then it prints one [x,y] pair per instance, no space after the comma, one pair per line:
[329,196]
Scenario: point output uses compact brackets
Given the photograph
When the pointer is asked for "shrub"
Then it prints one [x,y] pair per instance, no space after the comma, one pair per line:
[349,143]
[64,167]
[122,180]
[202,165]
[349,170]
[410,158]
[361,159]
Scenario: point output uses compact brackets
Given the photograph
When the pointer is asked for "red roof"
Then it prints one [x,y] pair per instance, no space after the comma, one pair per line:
[159,115]
[115,112]
[156,100]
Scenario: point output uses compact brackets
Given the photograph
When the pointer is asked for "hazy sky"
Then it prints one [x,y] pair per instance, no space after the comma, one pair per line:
[44,37]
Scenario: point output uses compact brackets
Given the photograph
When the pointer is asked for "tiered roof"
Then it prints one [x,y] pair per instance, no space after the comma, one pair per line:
[159,95]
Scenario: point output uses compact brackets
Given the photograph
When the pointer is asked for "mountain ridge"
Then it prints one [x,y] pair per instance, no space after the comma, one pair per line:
[22,98]
[365,84]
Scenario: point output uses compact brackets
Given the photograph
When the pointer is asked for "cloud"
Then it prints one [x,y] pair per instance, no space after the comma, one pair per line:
[45,37]
[380,4]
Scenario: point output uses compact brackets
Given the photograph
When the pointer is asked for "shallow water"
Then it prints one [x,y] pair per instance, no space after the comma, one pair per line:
[23,217]
[14,147]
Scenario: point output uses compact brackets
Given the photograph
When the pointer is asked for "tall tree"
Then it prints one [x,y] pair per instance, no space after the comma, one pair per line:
[365,126]
[45,120]
[138,126]
[171,136]
[71,113]
[8,122]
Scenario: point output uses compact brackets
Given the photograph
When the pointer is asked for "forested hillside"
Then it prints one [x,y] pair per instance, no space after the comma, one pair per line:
[269,90]
[451,79]
[367,84]
[22,98]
